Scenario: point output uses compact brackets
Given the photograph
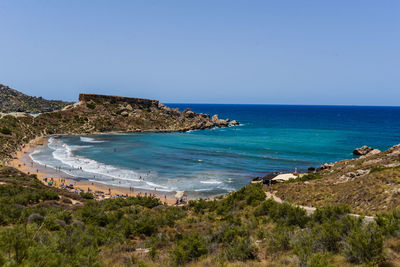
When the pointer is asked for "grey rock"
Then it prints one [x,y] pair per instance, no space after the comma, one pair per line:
[362,151]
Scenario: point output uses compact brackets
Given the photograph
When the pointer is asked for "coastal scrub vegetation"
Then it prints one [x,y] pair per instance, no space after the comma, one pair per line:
[38,227]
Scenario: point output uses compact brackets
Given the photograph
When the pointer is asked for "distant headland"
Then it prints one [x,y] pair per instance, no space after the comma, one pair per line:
[92,114]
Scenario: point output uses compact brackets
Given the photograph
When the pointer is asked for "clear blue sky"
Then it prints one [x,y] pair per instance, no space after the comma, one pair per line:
[272,52]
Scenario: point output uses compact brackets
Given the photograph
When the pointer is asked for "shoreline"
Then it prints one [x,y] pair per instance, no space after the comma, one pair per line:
[22,161]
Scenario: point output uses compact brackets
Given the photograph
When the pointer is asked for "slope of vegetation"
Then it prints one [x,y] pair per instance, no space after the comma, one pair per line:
[41,226]
[14,101]
[369,184]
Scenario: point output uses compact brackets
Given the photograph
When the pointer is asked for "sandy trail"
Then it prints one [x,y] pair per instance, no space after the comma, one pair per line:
[311,210]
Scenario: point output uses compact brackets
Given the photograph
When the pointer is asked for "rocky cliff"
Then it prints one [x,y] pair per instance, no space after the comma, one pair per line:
[102,114]
[12,100]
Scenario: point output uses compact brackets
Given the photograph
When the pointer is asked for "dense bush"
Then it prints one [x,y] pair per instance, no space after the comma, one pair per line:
[282,213]
[365,244]
[240,249]
[330,213]
[280,238]
[91,105]
[188,248]
[6,131]
[86,195]
[37,229]
[389,223]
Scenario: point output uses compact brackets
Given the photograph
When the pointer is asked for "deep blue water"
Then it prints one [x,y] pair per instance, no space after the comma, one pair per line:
[215,161]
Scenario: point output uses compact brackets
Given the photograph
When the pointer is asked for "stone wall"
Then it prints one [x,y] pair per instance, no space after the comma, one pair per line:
[118,99]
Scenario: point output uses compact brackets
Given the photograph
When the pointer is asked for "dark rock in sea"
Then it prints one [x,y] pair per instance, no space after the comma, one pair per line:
[233,123]
[361,151]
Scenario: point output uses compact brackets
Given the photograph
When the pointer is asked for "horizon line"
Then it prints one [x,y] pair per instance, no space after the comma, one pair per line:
[265,104]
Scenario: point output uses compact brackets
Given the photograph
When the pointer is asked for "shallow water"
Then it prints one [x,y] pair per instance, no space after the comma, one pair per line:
[216,161]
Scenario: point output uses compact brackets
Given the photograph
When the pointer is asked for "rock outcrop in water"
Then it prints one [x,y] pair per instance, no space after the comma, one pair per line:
[102,114]
[365,150]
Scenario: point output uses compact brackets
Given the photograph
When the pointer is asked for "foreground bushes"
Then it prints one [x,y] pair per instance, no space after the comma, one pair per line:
[188,248]
[236,228]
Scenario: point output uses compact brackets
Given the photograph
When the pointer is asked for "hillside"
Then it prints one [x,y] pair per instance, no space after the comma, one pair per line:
[101,114]
[12,100]
[42,226]
[369,184]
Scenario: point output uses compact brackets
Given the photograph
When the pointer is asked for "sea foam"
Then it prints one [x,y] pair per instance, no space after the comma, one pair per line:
[80,166]
[90,140]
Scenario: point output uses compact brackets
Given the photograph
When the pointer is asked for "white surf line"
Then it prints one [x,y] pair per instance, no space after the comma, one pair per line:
[311,210]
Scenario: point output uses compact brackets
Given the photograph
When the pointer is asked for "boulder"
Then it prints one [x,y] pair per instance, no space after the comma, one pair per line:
[234,122]
[326,166]
[124,113]
[189,113]
[374,152]
[362,151]
[215,118]
[129,107]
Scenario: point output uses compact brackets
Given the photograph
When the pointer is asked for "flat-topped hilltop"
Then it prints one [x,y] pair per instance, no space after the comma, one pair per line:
[142,102]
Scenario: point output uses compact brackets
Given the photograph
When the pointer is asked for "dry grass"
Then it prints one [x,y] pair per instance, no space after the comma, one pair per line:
[376,190]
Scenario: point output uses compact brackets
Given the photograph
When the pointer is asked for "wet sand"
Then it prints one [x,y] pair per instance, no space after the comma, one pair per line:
[22,161]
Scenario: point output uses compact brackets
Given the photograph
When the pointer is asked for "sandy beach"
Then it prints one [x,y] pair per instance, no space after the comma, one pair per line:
[23,162]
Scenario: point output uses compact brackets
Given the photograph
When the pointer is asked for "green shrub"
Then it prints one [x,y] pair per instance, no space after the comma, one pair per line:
[189,248]
[389,223]
[91,105]
[6,131]
[284,213]
[280,238]
[303,245]
[318,260]
[306,177]
[327,236]
[240,249]
[87,195]
[364,245]
[330,213]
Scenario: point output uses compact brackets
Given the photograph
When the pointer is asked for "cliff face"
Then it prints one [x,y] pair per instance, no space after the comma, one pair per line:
[14,101]
[101,114]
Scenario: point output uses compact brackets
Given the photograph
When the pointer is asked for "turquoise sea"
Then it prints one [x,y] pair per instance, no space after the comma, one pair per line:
[216,161]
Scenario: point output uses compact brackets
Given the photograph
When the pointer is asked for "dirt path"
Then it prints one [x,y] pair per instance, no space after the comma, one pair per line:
[311,210]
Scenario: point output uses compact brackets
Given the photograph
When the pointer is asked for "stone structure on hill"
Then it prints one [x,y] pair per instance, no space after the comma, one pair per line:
[139,102]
